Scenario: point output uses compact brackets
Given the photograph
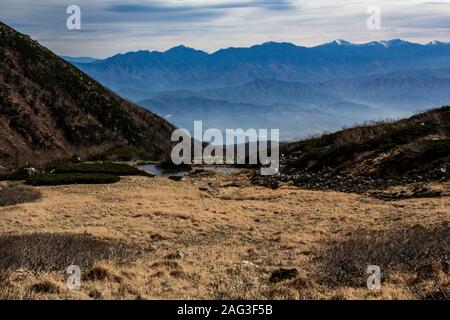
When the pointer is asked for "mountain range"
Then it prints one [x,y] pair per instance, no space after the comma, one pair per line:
[302,109]
[51,110]
[186,68]
[302,90]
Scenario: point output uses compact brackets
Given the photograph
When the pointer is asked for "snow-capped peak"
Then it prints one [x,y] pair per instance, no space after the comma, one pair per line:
[435,43]
[388,43]
[341,42]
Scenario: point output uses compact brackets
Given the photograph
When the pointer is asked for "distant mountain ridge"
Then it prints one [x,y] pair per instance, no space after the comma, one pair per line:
[427,86]
[301,90]
[187,68]
[300,109]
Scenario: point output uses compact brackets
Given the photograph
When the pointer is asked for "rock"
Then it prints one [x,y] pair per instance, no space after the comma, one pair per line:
[430,270]
[283,274]
[446,267]
[176,178]
[75,159]
[95,294]
[194,276]
[248,263]
[31,171]
[175,256]
[157,237]
[180,254]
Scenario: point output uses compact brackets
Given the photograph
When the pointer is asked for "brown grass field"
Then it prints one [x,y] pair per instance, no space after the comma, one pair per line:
[217,236]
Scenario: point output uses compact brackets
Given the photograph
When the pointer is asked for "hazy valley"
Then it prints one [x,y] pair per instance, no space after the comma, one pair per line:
[301,90]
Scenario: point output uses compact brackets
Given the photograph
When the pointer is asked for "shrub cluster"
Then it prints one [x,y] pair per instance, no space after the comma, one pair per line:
[118,169]
[11,194]
[64,173]
[55,179]
[406,250]
[45,252]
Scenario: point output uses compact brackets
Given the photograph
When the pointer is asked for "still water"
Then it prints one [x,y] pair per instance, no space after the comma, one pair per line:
[154,169]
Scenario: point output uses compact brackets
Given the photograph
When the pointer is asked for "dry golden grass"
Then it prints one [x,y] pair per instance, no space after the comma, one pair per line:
[212,237]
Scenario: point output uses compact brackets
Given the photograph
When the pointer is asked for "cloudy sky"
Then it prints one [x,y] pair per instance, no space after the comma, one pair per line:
[117,26]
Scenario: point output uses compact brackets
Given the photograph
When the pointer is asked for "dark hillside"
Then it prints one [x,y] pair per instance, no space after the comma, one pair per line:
[49,109]
[376,155]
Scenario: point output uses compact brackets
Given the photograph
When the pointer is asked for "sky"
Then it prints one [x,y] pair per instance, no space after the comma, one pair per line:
[109,27]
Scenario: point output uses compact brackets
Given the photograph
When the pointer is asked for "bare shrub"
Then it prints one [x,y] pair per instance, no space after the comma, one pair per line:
[46,286]
[45,252]
[234,289]
[8,292]
[362,133]
[13,193]
[98,272]
[408,251]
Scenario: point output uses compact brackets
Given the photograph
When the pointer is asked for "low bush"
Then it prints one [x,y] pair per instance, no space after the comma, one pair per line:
[118,169]
[46,286]
[56,179]
[427,153]
[407,250]
[19,175]
[11,194]
[45,252]
[98,272]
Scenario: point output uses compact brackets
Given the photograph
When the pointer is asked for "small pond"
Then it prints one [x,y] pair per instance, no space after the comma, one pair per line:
[157,171]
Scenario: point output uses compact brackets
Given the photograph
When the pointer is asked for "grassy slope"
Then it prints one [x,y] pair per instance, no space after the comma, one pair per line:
[50,109]
[223,241]
[411,149]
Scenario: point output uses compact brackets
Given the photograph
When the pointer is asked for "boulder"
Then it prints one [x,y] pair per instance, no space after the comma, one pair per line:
[283,274]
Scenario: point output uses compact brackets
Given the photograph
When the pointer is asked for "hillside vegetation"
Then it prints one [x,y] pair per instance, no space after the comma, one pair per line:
[380,154]
[49,109]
